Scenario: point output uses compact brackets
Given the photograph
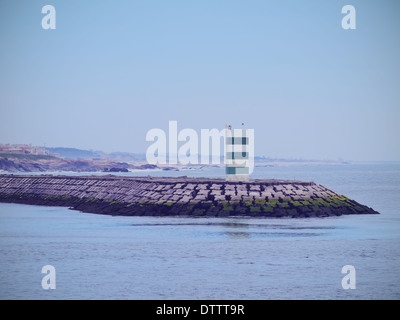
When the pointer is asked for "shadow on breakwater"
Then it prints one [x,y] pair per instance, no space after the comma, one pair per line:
[235,225]
[249,230]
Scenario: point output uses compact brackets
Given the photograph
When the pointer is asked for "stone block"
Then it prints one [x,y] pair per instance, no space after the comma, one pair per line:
[190,186]
[230,192]
[242,193]
[219,198]
[200,197]
[185,199]
[201,187]
[247,198]
[254,194]
[216,192]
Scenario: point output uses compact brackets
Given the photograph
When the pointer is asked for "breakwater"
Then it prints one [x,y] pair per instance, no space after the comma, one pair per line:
[181,196]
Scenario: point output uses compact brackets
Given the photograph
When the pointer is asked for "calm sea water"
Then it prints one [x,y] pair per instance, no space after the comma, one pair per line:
[103,257]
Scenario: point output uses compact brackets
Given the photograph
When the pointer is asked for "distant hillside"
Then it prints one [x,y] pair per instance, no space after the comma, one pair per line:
[73,153]
[32,157]
[125,156]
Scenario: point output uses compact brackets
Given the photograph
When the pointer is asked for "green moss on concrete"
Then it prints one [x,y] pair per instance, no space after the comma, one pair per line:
[227,208]
[260,202]
[268,209]
[295,203]
[241,210]
[284,204]
[255,209]
[273,203]
[168,204]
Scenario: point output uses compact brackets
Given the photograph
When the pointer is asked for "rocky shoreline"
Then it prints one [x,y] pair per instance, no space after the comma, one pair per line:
[32,163]
[182,196]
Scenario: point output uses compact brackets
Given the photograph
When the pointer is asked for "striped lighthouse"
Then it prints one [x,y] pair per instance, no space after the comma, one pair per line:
[237,154]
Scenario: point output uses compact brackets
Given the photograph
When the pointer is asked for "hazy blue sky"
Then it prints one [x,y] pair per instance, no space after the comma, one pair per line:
[112,70]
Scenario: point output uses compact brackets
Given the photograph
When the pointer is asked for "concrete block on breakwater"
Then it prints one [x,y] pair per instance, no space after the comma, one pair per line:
[161,196]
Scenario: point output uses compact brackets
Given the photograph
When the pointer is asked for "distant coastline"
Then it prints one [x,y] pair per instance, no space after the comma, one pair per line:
[53,164]
[10,163]
[32,159]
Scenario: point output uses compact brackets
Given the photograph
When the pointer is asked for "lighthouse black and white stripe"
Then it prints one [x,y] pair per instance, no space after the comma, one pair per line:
[237,149]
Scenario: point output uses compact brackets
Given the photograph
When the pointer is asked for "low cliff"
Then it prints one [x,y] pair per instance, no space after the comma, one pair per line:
[136,196]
